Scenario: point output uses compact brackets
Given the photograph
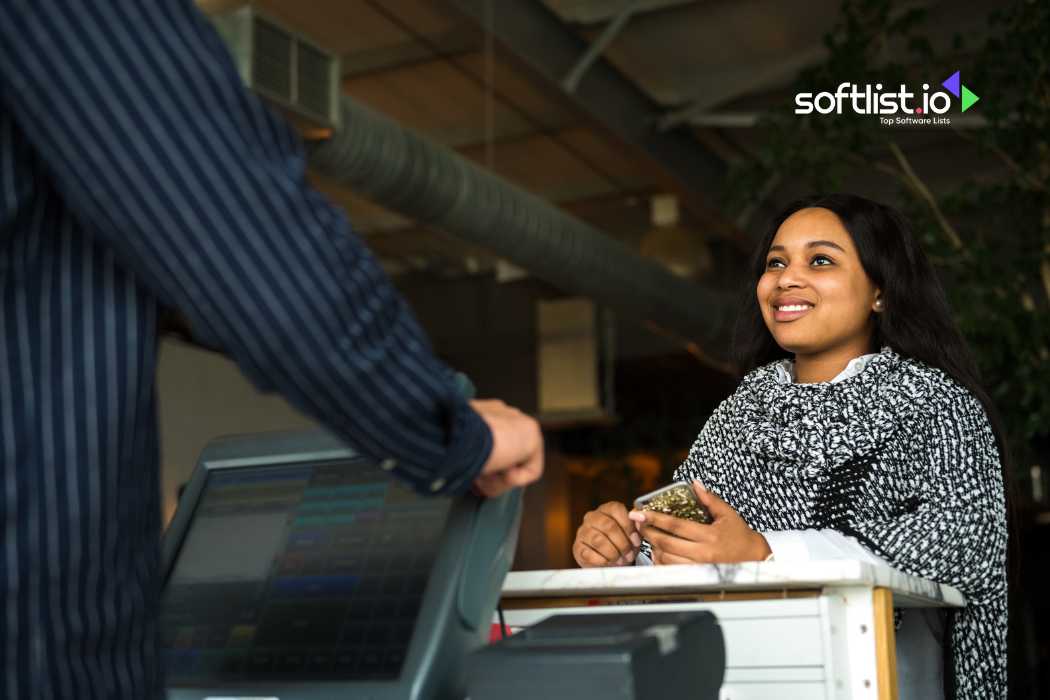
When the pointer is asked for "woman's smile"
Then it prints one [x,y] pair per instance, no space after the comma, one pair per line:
[815,296]
[787,309]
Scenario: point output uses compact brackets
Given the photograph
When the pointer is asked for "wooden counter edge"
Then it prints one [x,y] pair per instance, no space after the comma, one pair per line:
[885,643]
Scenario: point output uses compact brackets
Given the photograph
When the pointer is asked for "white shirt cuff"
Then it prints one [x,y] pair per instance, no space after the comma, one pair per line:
[807,545]
[787,545]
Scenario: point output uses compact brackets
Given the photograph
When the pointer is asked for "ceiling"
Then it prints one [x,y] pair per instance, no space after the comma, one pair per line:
[667,105]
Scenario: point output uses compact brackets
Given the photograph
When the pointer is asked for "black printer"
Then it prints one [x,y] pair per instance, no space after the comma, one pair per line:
[618,656]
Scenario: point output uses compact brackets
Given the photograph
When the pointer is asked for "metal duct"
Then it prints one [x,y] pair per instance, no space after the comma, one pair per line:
[432,184]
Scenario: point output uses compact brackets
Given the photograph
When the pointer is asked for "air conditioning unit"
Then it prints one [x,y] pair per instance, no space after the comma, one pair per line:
[283,67]
[575,361]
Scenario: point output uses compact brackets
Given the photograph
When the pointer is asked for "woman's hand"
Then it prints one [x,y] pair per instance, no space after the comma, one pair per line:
[607,537]
[678,541]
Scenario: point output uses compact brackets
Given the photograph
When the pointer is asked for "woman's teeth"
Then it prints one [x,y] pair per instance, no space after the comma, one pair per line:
[794,307]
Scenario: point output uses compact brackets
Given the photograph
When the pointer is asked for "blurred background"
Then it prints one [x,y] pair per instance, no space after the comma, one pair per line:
[616,161]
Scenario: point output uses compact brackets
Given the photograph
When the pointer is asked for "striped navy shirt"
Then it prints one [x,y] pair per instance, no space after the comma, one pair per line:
[137,174]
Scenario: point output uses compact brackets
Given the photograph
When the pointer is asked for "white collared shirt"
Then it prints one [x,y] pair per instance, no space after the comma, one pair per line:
[786,369]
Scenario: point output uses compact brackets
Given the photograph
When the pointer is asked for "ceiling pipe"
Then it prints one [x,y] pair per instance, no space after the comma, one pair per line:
[411,175]
[611,31]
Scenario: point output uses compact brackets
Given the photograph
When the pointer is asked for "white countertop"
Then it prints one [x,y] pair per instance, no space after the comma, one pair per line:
[748,576]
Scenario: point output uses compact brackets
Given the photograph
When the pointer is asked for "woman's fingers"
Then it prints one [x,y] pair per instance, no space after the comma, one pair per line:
[728,539]
[715,506]
[606,537]
[679,527]
[666,558]
[667,543]
[617,511]
[587,557]
[591,539]
[596,541]
[608,521]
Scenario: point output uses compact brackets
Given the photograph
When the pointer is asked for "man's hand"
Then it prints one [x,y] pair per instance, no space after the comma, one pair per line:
[679,541]
[606,538]
[517,449]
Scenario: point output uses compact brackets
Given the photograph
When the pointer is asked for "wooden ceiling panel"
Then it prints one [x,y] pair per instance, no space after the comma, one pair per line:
[339,26]
[680,54]
[543,166]
[624,216]
[612,159]
[537,103]
[421,17]
[438,100]
[600,11]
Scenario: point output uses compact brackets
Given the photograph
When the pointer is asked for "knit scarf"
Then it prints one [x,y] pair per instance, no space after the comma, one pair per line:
[900,457]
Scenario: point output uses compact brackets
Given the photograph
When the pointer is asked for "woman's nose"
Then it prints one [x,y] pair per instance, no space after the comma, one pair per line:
[791,277]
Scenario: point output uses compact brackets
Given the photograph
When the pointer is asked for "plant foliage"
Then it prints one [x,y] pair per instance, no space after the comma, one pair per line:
[988,236]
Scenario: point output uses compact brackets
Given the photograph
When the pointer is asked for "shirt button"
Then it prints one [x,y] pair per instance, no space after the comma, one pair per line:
[388,464]
[436,484]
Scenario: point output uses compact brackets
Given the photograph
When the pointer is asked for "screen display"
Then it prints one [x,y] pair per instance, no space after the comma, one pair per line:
[305,572]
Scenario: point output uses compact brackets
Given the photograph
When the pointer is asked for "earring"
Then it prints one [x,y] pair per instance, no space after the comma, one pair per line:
[878,304]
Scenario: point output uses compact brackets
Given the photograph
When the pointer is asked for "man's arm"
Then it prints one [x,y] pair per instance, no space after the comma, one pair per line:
[142,124]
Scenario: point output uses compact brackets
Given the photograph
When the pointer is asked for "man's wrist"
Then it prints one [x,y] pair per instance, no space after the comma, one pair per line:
[471,443]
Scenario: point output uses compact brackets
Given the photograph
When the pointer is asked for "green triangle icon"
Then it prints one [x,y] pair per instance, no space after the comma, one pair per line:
[968,98]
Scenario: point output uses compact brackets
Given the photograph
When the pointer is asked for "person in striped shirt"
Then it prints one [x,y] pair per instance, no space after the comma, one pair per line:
[137,175]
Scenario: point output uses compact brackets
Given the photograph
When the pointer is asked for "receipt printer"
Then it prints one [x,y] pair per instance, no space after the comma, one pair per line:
[627,656]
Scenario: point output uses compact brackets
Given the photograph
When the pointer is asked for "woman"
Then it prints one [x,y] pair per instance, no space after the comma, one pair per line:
[860,432]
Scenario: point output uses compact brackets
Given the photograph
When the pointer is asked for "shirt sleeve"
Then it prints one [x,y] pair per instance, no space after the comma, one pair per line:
[817,545]
[957,534]
[142,125]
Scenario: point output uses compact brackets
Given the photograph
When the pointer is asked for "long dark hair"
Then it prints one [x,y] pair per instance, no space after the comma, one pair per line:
[916,321]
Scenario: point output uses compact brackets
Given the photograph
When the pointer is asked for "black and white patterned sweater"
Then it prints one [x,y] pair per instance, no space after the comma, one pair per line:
[898,456]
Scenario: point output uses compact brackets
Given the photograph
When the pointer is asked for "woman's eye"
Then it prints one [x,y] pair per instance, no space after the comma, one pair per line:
[817,261]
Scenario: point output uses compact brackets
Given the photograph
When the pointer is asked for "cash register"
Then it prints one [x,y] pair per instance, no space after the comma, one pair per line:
[296,569]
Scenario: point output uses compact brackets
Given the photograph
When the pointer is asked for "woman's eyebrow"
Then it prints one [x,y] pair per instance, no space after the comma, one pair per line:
[812,244]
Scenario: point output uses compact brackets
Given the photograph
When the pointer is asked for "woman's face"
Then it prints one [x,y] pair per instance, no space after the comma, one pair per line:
[814,295]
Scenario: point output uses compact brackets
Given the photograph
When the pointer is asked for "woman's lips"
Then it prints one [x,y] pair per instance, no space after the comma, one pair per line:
[791,312]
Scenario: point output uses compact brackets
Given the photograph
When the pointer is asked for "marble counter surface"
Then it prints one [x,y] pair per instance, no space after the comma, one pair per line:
[748,576]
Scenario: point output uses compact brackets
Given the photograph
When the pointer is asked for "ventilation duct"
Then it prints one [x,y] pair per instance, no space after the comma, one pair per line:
[401,170]
[283,67]
[428,182]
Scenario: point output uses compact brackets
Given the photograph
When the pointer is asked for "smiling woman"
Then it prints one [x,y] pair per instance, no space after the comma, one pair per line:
[815,297]
[861,431]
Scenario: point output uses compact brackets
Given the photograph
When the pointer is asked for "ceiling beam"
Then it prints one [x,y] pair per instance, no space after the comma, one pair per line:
[548,49]
[716,90]
[595,12]
[460,40]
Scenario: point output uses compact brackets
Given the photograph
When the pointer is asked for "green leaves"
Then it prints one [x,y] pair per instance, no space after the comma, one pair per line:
[1001,214]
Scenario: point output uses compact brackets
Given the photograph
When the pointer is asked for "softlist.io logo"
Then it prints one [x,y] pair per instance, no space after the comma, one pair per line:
[901,106]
